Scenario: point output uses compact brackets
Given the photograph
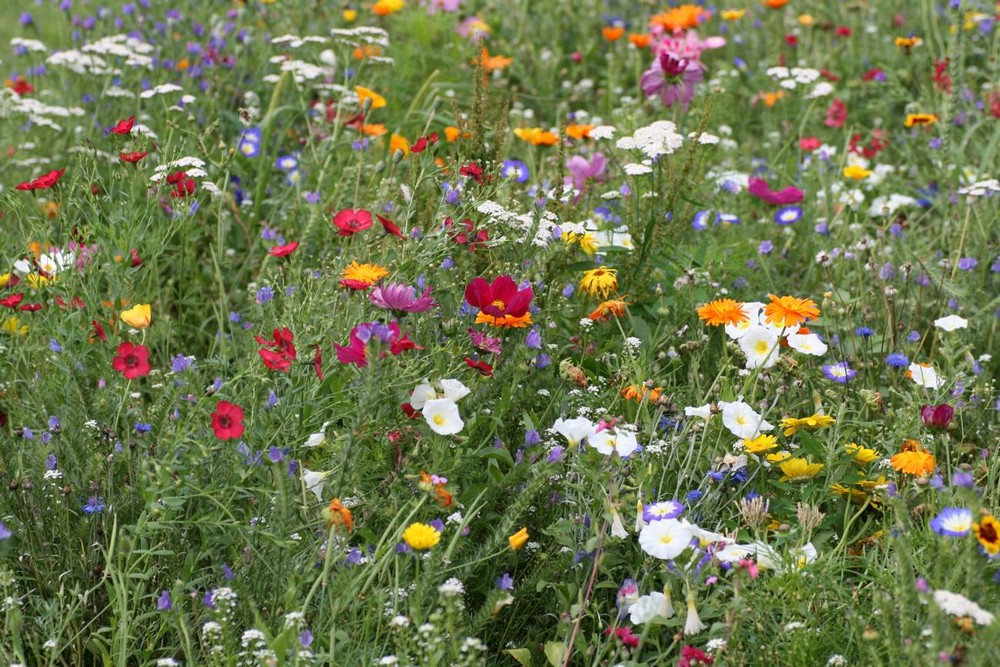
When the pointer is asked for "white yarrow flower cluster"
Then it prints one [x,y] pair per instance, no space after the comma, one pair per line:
[656,139]
[959,605]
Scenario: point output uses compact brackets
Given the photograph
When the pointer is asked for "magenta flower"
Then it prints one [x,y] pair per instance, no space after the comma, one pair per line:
[375,333]
[936,416]
[761,190]
[689,45]
[485,343]
[583,170]
[401,299]
[673,78]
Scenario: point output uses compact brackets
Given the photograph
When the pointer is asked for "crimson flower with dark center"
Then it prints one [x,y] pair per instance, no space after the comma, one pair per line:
[227,421]
[350,221]
[43,182]
[278,354]
[131,360]
[184,185]
[124,126]
[283,250]
[390,227]
[500,298]
[133,157]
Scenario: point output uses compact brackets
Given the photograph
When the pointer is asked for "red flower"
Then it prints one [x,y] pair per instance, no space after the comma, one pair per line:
[941,78]
[318,363]
[184,186]
[481,366]
[828,75]
[134,157]
[43,182]
[136,260]
[472,170]
[791,40]
[936,416]
[809,144]
[843,31]
[124,126]
[873,75]
[282,355]
[836,115]
[624,635]
[22,86]
[390,227]
[12,300]
[499,298]
[691,656]
[350,221]
[422,143]
[97,331]
[283,250]
[31,307]
[131,360]
[227,421]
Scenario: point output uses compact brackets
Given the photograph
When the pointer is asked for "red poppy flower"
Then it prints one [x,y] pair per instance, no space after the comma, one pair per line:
[410,411]
[390,227]
[940,77]
[791,40]
[22,86]
[75,302]
[422,143]
[481,366]
[350,221]
[134,157]
[472,170]
[136,260]
[43,182]
[130,359]
[124,126]
[499,298]
[828,75]
[318,363]
[12,300]
[184,186]
[283,250]
[227,421]
[282,350]
[843,31]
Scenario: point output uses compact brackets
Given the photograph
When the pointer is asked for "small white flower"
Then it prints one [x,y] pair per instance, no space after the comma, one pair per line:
[924,376]
[454,389]
[318,438]
[621,441]
[959,605]
[703,411]
[807,344]
[452,587]
[574,430]
[693,624]
[314,482]
[666,539]
[742,420]
[649,607]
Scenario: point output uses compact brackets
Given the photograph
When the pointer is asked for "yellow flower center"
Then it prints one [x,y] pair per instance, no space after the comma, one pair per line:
[499,304]
[761,347]
[438,420]
[666,539]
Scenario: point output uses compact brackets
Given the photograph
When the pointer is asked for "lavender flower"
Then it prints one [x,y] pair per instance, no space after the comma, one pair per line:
[401,299]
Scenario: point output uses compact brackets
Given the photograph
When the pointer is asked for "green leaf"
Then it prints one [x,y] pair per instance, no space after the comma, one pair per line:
[522,655]
[555,652]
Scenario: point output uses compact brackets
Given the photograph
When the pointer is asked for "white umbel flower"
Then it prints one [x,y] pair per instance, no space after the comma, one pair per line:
[959,605]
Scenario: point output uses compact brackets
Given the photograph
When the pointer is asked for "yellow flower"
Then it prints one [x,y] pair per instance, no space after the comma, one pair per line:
[4,279]
[915,462]
[913,119]
[732,14]
[536,136]
[421,537]
[364,273]
[907,43]
[36,280]
[799,469]
[137,317]
[761,443]
[14,327]
[862,454]
[386,7]
[778,457]
[805,19]
[599,282]
[856,172]
[578,131]
[988,533]
[349,15]
[587,241]
[518,539]
[368,94]
[810,423]
[504,321]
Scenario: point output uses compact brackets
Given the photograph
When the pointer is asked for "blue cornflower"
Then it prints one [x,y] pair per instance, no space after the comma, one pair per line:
[516,170]
[897,360]
[180,363]
[94,505]
[864,332]
[265,294]
[143,428]
[765,247]
[5,533]
[54,346]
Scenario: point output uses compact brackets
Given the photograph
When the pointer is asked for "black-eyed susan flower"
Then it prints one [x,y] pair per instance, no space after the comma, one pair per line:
[601,281]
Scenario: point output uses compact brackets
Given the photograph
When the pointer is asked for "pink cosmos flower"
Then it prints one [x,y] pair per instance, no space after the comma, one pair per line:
[761,190]
[689,45]
[401,299]
[584,170]
[673,78]
[356,350]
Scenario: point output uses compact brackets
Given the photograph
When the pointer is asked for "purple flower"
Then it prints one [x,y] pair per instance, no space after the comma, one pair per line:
[673,78]
[5,533]
[516,170]
[839,372]
[963,479]
[485,343]
[163,602]
[953,522]
[305,638]
[531,438]
[54,346]
[765,247]
[670,509]
[401,299]
[786,215]
[555,454]
[897,360]
[533,341]
[505,582]
[937,416]
[94,505]
[967,263]
[584,170]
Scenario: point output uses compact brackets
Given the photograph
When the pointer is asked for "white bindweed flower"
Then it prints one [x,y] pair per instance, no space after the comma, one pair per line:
[421,394]
[760,345]
[951,323]
[692,624]
[454,389]
[742,420]
[649,607]
[924,376]
[442,416]
[314,482]
[318,438]
[703,411]
[666,539]
[621,441]
[808,343]
[574,430]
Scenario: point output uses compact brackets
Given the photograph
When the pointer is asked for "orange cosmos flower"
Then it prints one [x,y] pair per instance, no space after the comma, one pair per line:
[640,393]
[338,515]
[678,19]
[491,63]
[722,311]
[789,311]
[504,321]
[373,129]
[386,7]
[612,33]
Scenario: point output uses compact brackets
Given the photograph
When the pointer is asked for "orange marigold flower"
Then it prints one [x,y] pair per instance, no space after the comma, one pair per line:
[722,311]
[505,322]
[536,136]
[912,460]
[491,63]
[775,4]
[680,18]
[579,131]
[373,129]
[640,393]
[790,311]
[338,515]
[606,309]
[367,51]
[640,40]
[367,273]
[612,33]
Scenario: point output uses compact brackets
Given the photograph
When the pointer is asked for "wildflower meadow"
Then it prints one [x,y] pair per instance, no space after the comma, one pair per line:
[499,332]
